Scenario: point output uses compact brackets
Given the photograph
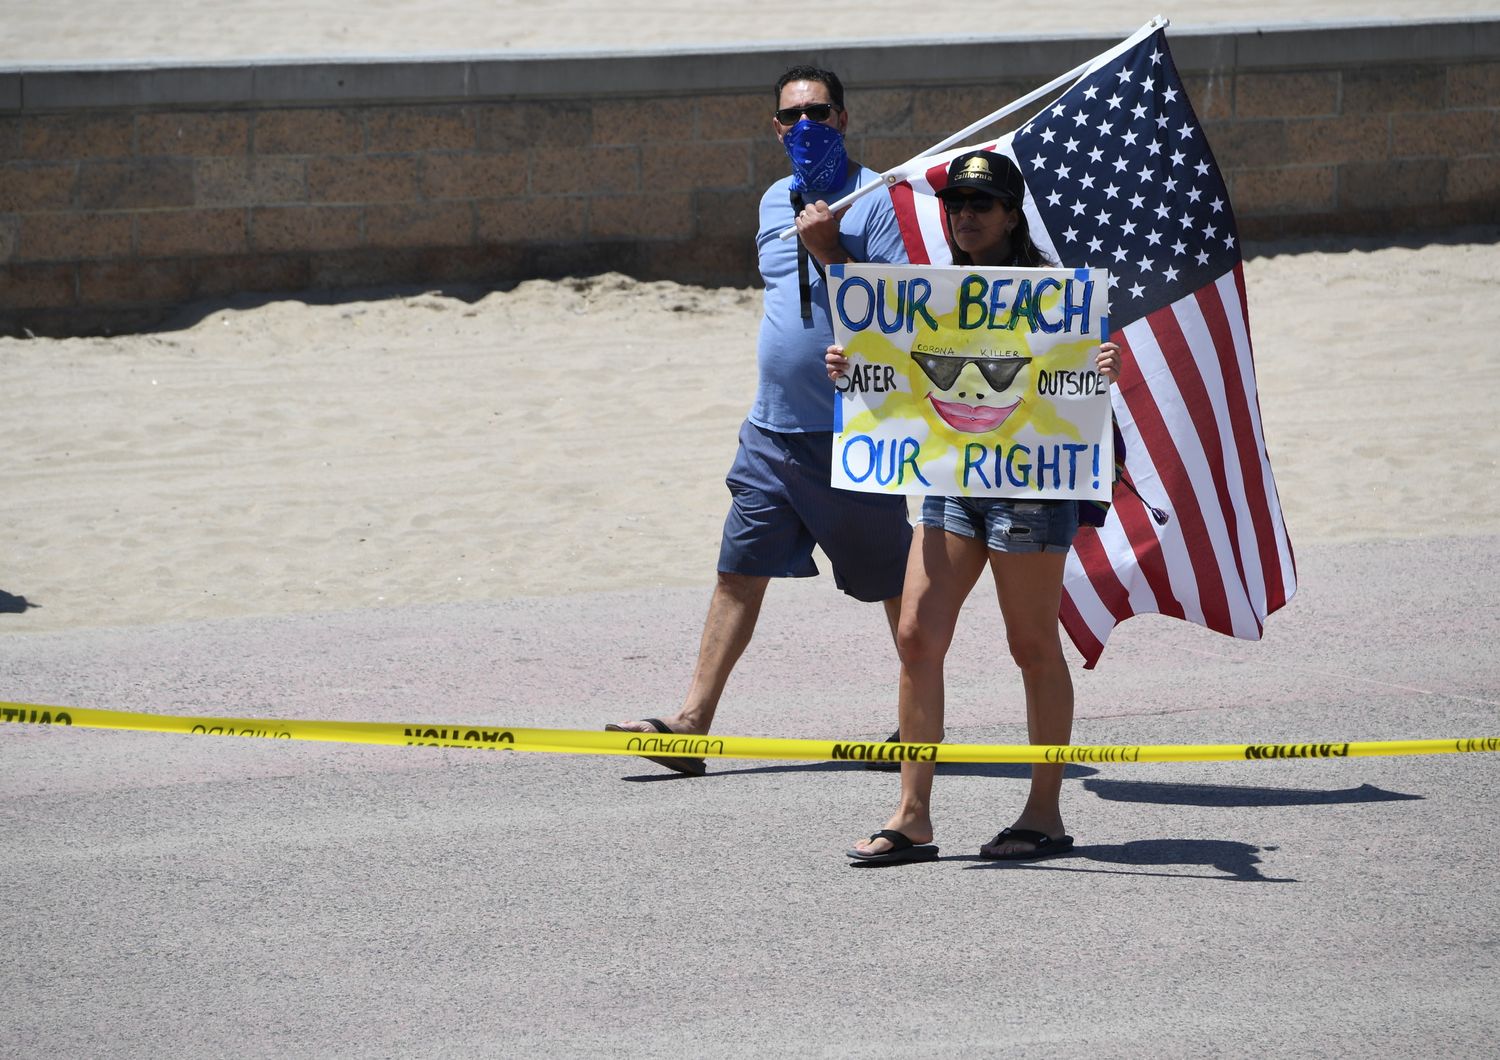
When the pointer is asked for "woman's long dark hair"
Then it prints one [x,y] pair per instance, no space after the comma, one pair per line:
[1023,252]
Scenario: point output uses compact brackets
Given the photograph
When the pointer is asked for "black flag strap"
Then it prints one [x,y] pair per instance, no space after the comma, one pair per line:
[804,284]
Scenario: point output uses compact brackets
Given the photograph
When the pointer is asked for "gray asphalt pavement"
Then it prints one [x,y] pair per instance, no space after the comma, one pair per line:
[181,897]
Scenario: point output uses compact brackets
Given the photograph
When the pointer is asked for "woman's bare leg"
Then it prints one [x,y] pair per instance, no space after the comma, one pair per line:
[940,571]
[1030,589]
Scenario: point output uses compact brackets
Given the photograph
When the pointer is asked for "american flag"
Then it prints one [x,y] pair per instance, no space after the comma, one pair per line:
[1119,177]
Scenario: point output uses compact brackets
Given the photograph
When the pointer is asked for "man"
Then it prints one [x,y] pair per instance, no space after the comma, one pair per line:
[782,503]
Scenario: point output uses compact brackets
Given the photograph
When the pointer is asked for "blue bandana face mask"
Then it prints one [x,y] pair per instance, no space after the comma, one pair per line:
[819,161]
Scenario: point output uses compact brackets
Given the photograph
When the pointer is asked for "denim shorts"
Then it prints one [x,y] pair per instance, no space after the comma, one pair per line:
[1004,524]
[783,505]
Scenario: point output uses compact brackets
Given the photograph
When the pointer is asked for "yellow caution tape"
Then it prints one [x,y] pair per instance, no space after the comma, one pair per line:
[426,734]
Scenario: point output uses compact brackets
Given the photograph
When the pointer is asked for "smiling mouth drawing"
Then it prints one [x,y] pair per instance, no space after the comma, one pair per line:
[972,419]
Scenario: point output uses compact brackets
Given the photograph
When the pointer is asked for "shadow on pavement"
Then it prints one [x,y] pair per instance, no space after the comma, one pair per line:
[1229,795]
[1236,862]
[11,604]
[1005,771]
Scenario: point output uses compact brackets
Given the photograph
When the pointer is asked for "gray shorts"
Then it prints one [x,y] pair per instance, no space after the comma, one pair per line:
[783,505]
[1005,525]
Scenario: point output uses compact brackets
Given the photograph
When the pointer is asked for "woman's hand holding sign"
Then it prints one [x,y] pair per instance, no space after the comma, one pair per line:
[836,363]
[1107,361]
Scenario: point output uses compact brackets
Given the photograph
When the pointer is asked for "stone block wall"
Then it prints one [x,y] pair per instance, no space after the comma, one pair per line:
[127,192]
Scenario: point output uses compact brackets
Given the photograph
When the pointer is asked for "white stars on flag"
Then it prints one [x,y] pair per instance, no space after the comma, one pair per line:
[1133,143]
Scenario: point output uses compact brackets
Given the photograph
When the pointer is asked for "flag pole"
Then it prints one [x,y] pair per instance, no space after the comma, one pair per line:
[899,173]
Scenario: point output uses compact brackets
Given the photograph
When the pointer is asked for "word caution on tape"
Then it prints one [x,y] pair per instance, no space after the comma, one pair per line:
[571,741]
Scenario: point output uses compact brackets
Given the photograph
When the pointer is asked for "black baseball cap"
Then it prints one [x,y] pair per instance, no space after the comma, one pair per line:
[986,171]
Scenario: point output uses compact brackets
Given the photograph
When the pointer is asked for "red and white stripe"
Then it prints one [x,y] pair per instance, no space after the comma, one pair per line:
[1189,414]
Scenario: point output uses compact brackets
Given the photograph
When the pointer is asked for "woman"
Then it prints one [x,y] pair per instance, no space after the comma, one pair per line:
[1025,544]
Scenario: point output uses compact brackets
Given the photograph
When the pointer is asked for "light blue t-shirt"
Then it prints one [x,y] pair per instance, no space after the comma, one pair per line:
[794,395]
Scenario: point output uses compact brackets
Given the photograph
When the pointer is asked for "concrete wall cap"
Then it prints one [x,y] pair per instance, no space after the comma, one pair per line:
[680,71]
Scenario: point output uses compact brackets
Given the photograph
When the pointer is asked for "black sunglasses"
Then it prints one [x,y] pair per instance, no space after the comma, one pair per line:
[943,370]
[814,112]
[981,203]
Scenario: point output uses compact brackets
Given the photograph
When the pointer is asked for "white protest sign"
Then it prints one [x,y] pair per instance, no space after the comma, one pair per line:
[974,382]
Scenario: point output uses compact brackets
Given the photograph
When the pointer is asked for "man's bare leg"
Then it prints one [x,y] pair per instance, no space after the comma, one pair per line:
[727,630]
[893,616]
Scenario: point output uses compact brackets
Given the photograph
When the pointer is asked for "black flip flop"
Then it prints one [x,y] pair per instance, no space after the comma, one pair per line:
[692,767]
[903,851]
[1043,845]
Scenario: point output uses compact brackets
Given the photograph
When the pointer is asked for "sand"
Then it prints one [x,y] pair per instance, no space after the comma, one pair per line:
[565,437]
[121,30]
[573,436]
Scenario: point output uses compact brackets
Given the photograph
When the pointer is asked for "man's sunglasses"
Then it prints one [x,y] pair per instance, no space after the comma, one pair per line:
[943,370]
[981,203]
[814,112]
